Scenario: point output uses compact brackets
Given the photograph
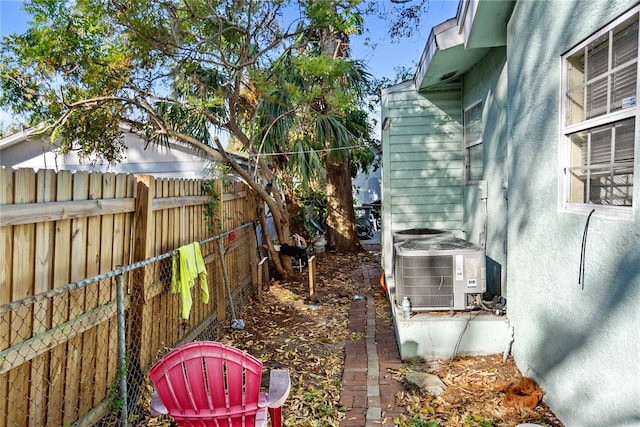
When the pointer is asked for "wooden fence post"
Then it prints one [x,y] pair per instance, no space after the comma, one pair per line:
[311,264]
[261,268]
[218,218]
[143,225]
[143,220]
[6,248]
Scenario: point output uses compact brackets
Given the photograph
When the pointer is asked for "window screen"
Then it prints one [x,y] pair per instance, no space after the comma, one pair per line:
[600,109]
[602,170]
[601,77]
[474,169]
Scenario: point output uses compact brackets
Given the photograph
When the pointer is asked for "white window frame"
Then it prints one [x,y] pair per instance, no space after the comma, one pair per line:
[607,118]
[468,144]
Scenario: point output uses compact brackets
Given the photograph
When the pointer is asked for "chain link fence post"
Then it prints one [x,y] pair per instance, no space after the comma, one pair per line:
[122,346]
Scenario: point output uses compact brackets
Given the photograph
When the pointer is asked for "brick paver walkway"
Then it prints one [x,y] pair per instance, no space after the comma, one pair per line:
[368,391]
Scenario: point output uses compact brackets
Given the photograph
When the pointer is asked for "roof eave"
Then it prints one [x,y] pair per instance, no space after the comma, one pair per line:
[455,45]
[442,38]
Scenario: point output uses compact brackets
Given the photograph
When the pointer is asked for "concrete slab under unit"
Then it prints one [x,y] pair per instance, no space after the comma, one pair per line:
[438,335]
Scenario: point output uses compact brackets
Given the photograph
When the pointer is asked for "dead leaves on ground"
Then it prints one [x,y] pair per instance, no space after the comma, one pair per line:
[475,396]
[287,331]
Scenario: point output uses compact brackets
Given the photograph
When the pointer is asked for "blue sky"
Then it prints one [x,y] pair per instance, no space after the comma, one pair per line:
[381,58]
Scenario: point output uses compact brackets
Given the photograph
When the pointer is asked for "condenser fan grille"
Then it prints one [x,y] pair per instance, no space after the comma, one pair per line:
[427,281]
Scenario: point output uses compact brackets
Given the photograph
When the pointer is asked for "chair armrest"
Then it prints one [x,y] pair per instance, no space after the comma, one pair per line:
[279,388]
[157,407]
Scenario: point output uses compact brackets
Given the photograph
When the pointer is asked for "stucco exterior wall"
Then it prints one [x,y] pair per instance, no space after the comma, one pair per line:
[582,345]
[485,206]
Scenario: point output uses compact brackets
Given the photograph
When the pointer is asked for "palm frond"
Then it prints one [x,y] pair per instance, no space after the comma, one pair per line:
[331,131]
[305,163]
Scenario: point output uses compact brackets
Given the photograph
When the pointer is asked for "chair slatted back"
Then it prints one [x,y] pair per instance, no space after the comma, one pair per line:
[207,383]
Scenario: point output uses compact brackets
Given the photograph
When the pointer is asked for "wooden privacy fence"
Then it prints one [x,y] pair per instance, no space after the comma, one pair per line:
[67,241]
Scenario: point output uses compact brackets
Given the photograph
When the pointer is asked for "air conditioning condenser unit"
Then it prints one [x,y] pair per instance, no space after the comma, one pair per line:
[439,273]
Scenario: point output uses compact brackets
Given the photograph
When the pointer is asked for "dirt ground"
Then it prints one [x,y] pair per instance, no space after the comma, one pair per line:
[287,330]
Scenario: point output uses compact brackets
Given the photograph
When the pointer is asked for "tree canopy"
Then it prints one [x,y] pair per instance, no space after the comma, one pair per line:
[189,70]
[94,64]
[276,76]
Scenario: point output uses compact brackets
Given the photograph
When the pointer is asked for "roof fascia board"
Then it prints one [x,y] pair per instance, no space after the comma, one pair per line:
[15,138]
[467,21]
[33,133]
[484,22]
[397,87]
[443,36]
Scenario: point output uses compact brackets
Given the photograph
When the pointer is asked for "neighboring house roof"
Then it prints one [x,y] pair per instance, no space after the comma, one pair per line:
[178,160]
[455,45]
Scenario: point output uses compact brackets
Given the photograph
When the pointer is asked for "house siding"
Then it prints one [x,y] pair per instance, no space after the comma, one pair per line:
[422,161]
[580,343]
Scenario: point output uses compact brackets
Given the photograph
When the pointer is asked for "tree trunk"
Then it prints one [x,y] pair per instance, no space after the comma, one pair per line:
[296,217]
[341,218]
[271,198]
[282,264]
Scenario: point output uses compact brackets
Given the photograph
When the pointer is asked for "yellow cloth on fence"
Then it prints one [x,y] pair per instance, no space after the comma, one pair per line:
[185,270]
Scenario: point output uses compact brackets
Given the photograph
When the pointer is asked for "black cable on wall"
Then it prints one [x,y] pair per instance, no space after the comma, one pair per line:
[583,249]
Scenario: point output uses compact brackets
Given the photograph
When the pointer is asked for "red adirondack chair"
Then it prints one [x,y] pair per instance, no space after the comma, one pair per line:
[206,383]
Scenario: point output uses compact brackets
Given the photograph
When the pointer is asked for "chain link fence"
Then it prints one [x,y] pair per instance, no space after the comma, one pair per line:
[79,354]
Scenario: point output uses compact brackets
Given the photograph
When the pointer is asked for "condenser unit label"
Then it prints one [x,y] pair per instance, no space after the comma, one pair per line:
[471,283]
[459,267]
